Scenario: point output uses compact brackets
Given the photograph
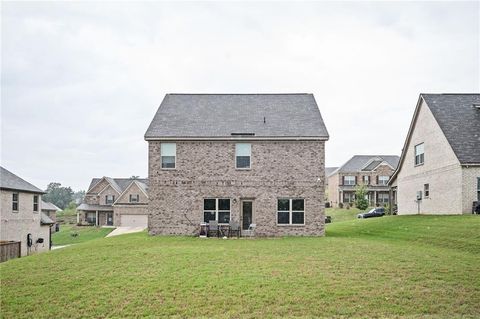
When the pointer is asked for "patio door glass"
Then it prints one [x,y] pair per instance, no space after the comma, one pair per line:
[247,214]
[109,219]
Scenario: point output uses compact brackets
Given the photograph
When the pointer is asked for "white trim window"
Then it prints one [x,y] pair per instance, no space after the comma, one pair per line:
[419,154]
[168,152]
[109,199]
[15,202]
[349,180]
[426,190]
[35,203]
[366,180]
[291,211]
[383,180]
[348,197]
[134,198]
[216,209]
[382,198]
[478,188]
[91,217]
[243,154]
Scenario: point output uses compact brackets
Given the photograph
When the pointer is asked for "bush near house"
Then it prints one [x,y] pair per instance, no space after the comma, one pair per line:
[394,266]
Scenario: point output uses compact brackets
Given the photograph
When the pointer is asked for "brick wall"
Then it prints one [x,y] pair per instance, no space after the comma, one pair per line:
[441,170]
[16,225]
[469,187]
[286,169]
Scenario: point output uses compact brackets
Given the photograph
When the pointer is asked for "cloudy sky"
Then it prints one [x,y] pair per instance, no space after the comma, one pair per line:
[81,81]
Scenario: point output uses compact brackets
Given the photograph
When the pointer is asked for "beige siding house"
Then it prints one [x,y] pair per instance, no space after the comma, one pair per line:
[252,159]
[119,202]
[21,216]
[439,170]
[373,171]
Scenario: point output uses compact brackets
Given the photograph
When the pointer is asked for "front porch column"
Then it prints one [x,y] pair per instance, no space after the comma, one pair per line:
[96,218]
[375,198]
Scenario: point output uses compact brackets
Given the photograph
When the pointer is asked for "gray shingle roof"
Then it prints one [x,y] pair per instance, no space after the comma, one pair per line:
[8,180]
[84,206]
[121,183]
[359,162]
[45,220]
[330,170]
[50,206]
[220,115]
[459,121]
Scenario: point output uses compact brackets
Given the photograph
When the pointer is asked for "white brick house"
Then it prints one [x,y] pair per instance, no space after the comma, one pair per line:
[439,169]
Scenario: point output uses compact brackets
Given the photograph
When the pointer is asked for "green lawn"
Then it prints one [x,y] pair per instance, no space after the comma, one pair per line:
[342,214]
[408,266]
[84,233]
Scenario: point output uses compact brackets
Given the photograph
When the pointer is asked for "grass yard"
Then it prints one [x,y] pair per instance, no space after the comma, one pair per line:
[84,233]
[343,214]
[408,266]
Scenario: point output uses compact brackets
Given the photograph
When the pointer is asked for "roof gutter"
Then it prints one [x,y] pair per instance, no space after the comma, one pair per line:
[238,138]
[22,190]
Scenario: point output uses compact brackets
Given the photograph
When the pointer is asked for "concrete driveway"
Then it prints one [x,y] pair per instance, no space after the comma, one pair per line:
[125,230]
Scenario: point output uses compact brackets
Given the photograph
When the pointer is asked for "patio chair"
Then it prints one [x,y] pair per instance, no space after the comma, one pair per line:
[251,229]
[213,228]
[234,228]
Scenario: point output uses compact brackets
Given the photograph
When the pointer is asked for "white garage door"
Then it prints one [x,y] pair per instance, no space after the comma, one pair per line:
[134,221]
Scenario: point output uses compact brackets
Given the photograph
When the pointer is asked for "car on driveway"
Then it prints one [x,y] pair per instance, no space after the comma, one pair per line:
[374,212]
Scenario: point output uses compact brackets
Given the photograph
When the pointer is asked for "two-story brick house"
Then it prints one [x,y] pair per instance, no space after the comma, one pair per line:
[439,170]
[115,202]
[252,158]
[21,217]
[373,171]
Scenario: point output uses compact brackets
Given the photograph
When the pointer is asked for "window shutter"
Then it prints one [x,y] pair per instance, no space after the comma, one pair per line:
[377,179]
[343,180]
[356,180]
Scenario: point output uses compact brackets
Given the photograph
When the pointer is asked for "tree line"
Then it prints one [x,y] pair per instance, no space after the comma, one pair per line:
[63,197]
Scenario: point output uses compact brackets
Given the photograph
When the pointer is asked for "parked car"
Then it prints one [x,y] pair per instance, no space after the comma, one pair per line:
[374,212]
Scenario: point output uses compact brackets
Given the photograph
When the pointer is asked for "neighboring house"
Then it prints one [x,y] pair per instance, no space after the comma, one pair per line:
[439,170]
[50,210]
[250,158]
[21,216]
[115,202]
[328,171]
[373,171]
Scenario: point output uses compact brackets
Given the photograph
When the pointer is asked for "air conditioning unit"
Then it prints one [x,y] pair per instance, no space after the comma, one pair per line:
[419,195]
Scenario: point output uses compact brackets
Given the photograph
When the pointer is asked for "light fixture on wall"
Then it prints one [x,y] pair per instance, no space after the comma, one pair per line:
[234,200]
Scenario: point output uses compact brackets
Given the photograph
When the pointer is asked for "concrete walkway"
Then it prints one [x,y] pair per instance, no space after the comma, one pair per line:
[59,247]
[125,230]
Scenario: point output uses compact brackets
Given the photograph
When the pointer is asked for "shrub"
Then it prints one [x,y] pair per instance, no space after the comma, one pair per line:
[340,205]
[361,201]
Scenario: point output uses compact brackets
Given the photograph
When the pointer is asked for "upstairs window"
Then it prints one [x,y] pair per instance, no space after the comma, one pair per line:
[383,180]
[134,198]
[478,188]
[243,152]
[109,199]
[426,190]
[35,203]
[168,153]
[419,154]
[216,209]
[290,211]
[349,180]
[366,180]
[15,202]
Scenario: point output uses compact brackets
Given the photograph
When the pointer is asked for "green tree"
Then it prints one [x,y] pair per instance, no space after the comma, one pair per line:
[361,201]
[58,195]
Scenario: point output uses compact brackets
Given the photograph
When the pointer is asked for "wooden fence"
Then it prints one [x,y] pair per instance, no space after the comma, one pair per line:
[9,250]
